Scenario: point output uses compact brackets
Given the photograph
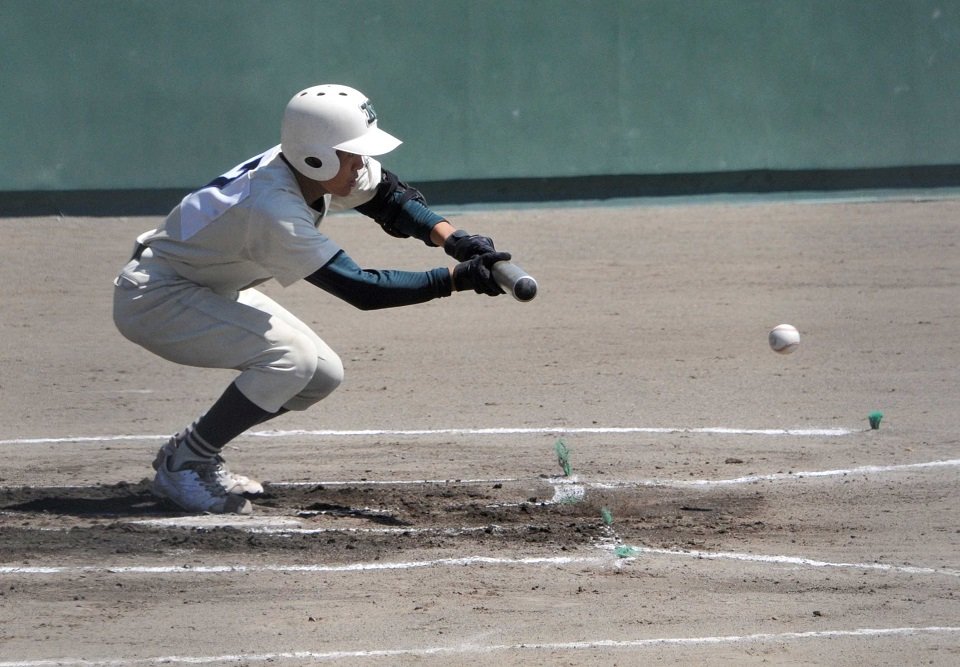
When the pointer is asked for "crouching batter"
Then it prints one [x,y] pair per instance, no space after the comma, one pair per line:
[187,294]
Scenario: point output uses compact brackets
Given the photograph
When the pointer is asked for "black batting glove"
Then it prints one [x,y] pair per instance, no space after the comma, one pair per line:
[462,245]
[476,274]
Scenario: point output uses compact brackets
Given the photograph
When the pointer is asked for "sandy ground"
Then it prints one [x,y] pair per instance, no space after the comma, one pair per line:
[726,505]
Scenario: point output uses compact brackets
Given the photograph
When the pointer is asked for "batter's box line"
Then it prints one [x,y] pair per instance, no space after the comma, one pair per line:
[606,485]
[603,561]
[632,552]
[286,526]
[577,485]
[778,477]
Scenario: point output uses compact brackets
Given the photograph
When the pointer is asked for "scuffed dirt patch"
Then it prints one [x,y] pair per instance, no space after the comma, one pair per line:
[360,522]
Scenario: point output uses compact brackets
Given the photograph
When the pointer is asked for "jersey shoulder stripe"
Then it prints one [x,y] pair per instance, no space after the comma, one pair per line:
[201,207]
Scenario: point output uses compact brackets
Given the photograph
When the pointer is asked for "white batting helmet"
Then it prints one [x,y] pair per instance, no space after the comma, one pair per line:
[323,119]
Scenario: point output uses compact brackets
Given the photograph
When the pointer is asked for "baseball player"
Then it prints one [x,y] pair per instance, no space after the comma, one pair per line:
[187,294]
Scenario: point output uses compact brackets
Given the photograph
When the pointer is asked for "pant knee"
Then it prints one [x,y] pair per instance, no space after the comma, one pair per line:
[287,370]
[327,376]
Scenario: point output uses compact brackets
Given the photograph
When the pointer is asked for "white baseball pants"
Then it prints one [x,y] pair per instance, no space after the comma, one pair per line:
[282,362]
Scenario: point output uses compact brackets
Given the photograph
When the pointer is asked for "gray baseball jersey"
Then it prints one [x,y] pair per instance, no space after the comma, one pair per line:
[251,225]
[187,295]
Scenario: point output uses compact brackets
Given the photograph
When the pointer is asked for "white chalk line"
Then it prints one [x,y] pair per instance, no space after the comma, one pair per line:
[472,648]
[290,527]
[632,553]
[285,526]
[612,484]
[777,560]
[718,430]
[396,482]
[615,484]
[348,567]
[722,430]
[777,477]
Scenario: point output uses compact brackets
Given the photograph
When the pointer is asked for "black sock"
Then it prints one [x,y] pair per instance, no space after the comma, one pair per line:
[231,415]
[272,415]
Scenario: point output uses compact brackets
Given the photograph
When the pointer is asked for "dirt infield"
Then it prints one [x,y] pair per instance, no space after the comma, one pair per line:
[725,505]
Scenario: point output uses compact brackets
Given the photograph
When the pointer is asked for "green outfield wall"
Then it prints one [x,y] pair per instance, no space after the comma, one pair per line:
[114,95]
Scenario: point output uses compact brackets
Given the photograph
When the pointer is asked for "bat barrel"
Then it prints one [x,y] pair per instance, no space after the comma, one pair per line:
[515,281]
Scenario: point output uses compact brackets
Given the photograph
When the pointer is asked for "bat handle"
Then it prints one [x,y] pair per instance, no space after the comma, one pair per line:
[514,280]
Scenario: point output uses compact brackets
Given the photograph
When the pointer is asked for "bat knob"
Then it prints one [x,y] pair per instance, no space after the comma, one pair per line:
[514,280]
[525,289]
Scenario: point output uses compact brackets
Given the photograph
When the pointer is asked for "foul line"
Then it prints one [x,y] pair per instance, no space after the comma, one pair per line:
[656,642]
[563,431]
[718,430]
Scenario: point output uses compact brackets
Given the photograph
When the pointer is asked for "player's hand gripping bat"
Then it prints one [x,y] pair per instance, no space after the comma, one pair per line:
[462,246]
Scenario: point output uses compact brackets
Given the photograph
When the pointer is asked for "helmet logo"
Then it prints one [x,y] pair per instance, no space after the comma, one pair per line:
[367,108]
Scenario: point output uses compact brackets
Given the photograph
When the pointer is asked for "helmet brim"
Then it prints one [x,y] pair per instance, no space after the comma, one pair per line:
[373,142]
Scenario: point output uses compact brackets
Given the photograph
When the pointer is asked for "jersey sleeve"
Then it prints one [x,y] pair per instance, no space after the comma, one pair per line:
[286,242]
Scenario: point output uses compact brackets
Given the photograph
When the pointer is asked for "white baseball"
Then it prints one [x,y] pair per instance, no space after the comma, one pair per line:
[784,338]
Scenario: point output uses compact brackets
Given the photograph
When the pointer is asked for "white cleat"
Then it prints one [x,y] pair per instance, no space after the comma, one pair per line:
[241,484]
[199,487]
[232,482]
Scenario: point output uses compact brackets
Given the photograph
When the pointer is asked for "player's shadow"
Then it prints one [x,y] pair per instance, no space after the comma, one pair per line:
[108,501]
[130,500]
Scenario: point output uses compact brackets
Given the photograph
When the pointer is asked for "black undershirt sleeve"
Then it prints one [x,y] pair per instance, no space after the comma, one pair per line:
[372,289]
